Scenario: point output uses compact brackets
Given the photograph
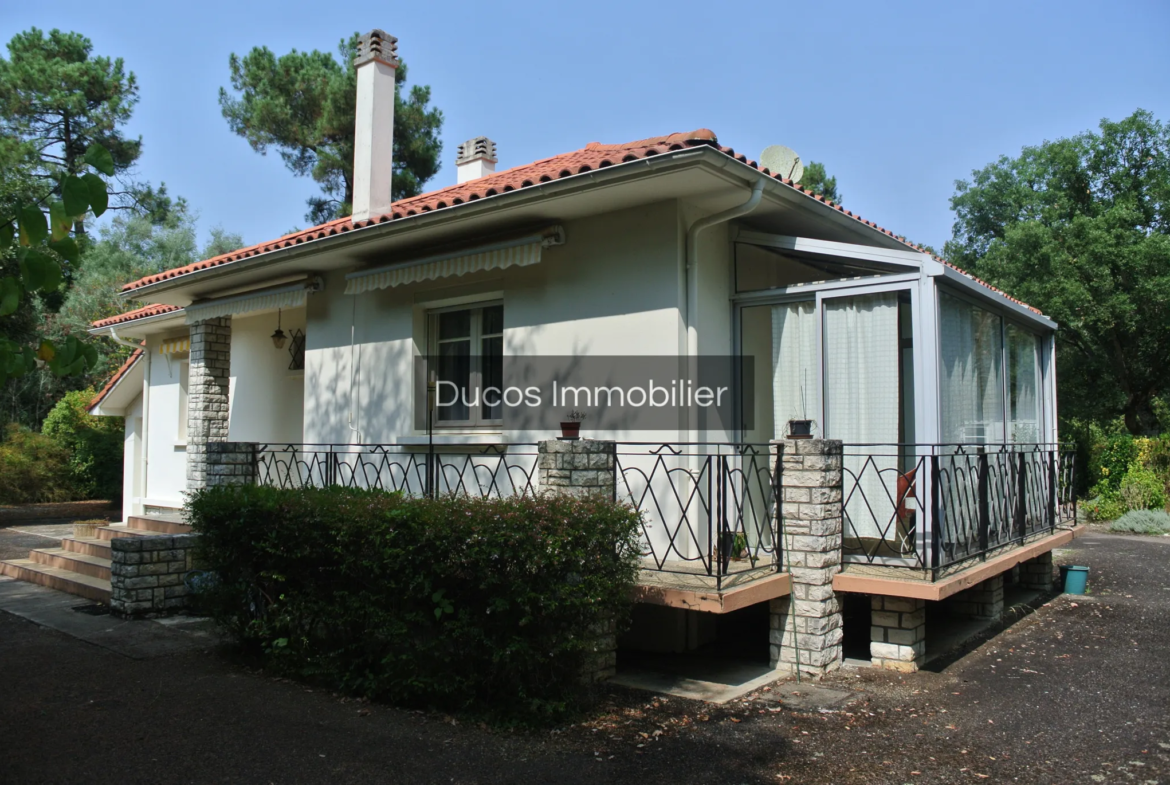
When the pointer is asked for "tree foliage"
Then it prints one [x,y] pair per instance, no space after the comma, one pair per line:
[57,102]
[1079,228]
[817,180]
[303,104]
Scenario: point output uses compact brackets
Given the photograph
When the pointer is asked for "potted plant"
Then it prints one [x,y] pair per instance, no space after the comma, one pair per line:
[88,529]
[571,425]
[800,429]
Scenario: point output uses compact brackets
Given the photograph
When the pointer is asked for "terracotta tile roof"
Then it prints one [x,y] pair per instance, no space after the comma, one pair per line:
[593,156]
[138,313]
[117,377]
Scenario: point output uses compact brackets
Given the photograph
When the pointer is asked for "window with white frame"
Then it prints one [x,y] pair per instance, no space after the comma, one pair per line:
[467,355]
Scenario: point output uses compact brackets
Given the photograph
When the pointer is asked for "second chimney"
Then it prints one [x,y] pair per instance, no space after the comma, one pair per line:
[373,144]
[477,158]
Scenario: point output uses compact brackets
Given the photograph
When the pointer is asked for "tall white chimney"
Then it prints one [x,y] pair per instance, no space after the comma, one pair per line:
[476,158]
[373,148]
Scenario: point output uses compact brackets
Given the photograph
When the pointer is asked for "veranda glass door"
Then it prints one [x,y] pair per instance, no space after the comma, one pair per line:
[869,403]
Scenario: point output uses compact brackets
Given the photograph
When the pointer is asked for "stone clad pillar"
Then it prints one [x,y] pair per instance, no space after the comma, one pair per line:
[897,633]
[982,601]
[583,468]
[806,626]
[207,394]
[576,468]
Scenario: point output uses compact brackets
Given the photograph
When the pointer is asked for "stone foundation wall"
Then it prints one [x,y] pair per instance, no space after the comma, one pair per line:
[897,633]
[147,574]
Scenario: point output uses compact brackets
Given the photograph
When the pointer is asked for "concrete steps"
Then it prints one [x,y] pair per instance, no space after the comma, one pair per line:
[90,546]
[61,559]
[81,566]
[158,524]
[69,582]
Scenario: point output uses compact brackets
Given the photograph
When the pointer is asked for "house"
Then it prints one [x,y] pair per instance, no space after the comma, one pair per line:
[326,353]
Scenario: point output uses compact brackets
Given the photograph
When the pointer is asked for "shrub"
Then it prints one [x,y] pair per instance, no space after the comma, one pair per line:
[33,468]
[94,444]
[1143,522]
[1105,507]
[453,603]
[1141,489]
[1109,459]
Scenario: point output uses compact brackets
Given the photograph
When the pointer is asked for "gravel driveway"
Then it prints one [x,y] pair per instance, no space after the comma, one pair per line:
[1077,692]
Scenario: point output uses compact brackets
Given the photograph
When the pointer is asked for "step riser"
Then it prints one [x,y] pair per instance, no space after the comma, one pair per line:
[156,525]
[55,582]
[107,533]
[98,549]
[63,562]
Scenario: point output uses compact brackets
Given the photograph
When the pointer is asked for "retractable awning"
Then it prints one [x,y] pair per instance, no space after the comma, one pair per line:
[175,346]
[288,296]
[517,252]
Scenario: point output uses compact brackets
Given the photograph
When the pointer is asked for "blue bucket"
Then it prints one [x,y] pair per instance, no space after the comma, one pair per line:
[1074,579]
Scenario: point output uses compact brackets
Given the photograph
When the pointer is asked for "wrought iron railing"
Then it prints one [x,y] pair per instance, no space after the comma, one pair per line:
[707,509]
[487,471]
[932,506]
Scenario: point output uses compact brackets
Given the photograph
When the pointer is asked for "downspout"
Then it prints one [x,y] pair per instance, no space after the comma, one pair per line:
[692,270]
[692,273]
[145,459]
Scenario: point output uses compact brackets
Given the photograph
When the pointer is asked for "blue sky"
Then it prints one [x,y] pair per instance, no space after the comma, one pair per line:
[898,99]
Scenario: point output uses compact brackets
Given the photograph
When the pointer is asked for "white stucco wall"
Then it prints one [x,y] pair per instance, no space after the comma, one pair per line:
[266,399]
[166,471]
[611,289]
[132,459]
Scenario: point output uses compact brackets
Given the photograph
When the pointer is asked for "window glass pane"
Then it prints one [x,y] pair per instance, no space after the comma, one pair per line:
[493,377]
[862,354]
[454,379]
[1023,386]
[493,320]
[454,324]
[796,389]
[971,383]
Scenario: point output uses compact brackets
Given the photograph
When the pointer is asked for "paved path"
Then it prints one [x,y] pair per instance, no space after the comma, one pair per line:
[1076,692]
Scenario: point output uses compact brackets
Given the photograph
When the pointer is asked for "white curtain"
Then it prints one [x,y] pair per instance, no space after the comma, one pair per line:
[796,390]
[861,407]
[1023,386]
[971,383]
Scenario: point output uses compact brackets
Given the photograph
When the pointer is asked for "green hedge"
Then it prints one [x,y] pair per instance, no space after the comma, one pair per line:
[94,444]
[464,604]
[33,468]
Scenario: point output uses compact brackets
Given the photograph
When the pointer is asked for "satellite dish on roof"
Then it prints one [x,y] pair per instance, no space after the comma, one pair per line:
[783,161]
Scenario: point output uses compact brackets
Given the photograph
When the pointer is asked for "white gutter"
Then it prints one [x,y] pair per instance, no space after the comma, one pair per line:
[145,467]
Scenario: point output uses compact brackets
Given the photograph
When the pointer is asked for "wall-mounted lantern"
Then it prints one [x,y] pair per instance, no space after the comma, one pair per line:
[278,337]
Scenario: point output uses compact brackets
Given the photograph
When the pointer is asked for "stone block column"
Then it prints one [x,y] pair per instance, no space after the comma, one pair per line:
[230,463]
[982,601]
[207,394]
[1036,573]
[585,467]
[806,626]
[576,468]
[898,633]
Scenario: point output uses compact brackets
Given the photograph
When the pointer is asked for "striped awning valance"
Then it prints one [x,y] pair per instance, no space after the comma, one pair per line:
[290,296]
[175,346]
[517,252]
